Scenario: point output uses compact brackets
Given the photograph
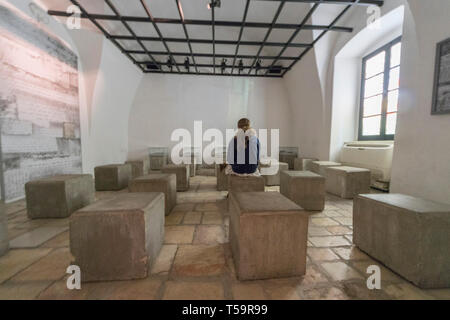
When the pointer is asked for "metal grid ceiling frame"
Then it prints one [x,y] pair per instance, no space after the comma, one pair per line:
[237,68]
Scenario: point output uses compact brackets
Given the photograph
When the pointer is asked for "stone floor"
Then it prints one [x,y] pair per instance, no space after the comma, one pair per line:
[195,261]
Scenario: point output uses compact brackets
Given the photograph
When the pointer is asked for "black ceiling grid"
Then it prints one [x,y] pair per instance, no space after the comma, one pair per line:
[162,59]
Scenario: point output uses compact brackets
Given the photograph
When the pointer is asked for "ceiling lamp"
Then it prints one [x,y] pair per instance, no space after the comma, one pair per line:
[152,66]
[241,66]
[170,63]
[187,64]
[213,4]
[223,65]
[258,66]
[275,69]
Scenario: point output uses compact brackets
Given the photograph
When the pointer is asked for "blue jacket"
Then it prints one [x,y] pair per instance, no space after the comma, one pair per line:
[246,161]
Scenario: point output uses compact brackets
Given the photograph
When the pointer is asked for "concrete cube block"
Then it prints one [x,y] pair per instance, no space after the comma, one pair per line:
[240,184]
[222,178]
[245,183]
[182,173]
[139,167]
[112,177]
[158,161]
[409,235]
[58,196]
[4,240]
[303,164]
[305,188]
[319,166]
[273,179]
[165,183]
[268,235]
[118,238]
[347,182]
[289,158]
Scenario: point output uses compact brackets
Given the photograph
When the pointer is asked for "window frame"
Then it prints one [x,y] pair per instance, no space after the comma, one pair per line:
[384,103]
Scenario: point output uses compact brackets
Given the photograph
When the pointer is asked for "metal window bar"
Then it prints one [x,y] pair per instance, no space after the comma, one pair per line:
[105,33]
[341,14]
[213,19]
[213,22]
[275,18]
[210,65]
[209,55]
[220,74]
[147,11]
[217,23]
[299,29]
[241,31]
[116,12]
[206,41]
[180,12]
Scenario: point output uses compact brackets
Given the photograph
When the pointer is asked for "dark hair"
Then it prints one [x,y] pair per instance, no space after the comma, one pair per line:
[244,124]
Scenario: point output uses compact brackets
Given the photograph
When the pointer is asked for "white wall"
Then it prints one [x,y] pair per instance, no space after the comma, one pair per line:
[116,83]
[305,97]
[347,77]
[164,103]
[421,165]
[311,86]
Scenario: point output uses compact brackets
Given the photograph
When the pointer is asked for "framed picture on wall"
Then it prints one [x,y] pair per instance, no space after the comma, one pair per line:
[441,89]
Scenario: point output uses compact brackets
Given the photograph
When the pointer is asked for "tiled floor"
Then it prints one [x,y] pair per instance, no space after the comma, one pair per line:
[195,261]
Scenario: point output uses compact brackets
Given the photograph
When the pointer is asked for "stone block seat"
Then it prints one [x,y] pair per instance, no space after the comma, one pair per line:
[239,184]
[268,235]
[112,177]
[245,183]
[289,158]
[182,173]
[58,196]
[319,166]
[222,178]
[158,160]
[409,235]
[139,167]
[118,238]
[271,179]
[305,188]
[347,182]
[165,183]
[303,164]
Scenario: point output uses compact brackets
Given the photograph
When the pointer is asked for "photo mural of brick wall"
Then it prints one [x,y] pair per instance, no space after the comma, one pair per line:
[39,106]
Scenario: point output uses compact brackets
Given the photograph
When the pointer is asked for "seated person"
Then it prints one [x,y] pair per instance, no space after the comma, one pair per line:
[243,155]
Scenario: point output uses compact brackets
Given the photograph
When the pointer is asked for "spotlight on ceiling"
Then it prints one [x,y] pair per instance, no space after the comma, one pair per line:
[186,64]
[152,66]
[170,63]
[241,66]
[223,65]
[258,66]
[213,4]
[275,70]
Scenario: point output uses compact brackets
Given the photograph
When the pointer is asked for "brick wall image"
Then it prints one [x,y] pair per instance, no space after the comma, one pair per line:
[39,107]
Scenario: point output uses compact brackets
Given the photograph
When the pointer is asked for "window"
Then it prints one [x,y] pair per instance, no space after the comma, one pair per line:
[379,93]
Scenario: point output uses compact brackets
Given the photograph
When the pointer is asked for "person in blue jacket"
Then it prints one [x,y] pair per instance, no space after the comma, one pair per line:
[243,151]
